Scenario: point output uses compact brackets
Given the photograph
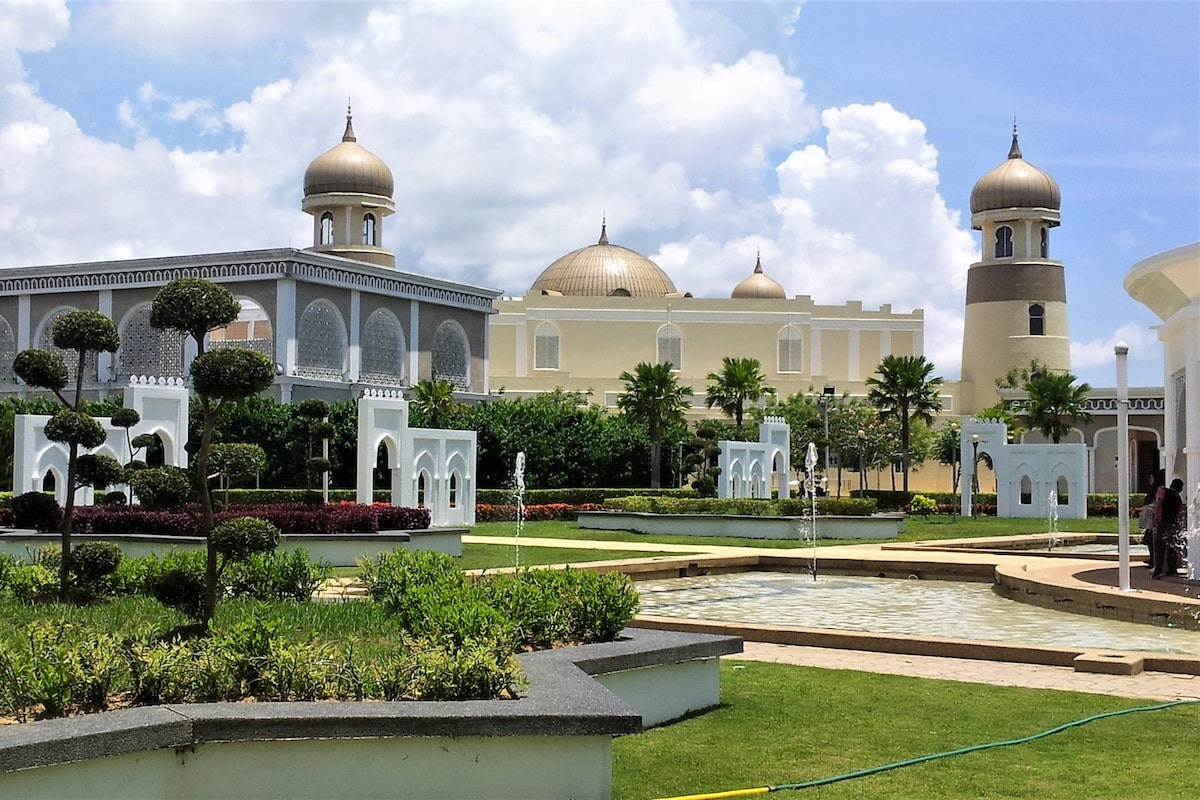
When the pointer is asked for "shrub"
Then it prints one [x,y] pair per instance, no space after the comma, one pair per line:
[831,506]
[32,583]
[60,671]
[290,576]
[92,562]
[920,504]
[177,581]
[241,537]
[36,510]
[114,499]
[161,488]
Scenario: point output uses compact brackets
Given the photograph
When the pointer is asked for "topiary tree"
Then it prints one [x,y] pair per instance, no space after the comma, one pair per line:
[236,461]
[315,414]
[82,332]
[194,307]
[161,488]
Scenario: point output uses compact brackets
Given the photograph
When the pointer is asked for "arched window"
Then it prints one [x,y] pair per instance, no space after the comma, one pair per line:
[251,330]
[1003,242]
[383,349]
[45,341]
[1063,492]
[1045,249]
[369,229]
[1037,320]
[454,489]
[422,483]
[146,350]
[1026,491]
[790,350]
[670,347]
[8,351]
[545,347]
[326,236]
[451,355]
[321,342]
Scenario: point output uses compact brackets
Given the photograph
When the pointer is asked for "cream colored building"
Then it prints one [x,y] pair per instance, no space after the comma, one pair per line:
[600,310]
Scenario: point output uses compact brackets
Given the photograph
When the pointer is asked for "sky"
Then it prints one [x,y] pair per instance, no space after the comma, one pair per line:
[839,139]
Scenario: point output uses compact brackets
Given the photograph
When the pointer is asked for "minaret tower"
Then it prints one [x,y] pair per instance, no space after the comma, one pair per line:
[1016,293]
[348,191]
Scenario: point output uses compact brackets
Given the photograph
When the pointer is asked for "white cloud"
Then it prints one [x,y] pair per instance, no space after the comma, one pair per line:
[1143,347]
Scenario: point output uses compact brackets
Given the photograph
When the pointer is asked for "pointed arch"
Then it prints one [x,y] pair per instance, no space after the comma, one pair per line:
[384,349]
[146,350]
[451,355]
[321,342]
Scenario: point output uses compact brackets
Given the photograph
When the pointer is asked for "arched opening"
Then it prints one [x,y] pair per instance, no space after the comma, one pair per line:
[381,476]
[422,483]
[545,347]
[1037,320]
[321,342]
[251,330]
[1003,247]
[1045,244]
[368,231]
[451,355]
[146,350]
[49,482]
[790,349]
[326,234]
[454,489]
[670,346]
[1063,490]
[1026,491]
[383,349]
[155,454]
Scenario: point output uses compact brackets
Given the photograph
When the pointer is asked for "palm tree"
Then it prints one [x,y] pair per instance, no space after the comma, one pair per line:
[434,398]
[1055,403]
[741,380]
[652,396]
[905,391]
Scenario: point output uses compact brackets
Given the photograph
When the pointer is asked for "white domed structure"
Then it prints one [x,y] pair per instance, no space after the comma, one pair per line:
[604,270]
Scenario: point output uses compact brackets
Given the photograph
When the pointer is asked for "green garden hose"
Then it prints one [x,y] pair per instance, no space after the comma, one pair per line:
[862,773]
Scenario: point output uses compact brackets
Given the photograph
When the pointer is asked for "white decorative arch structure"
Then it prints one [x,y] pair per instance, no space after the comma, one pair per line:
[1026,474]
[163,406]
[754,469]
[430,467]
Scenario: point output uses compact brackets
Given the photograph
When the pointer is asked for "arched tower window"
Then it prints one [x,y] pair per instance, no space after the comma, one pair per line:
[545,347]
[321,342]
[790,349]
[146,350]
[451,355]
[383,349]
[369,229]
[1004,246]
[1037,320]
[670,347]
[326,235]
[1045,245]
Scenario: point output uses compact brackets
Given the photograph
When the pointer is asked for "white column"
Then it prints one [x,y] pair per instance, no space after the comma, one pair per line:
[285,325]
[355,366]
[1122,351]
[24,334]
[414,343]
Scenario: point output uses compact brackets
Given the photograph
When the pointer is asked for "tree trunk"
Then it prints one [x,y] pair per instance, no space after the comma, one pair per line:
[655,462]
[206,513]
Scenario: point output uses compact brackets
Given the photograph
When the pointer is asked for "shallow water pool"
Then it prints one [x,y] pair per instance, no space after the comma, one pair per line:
[949,609]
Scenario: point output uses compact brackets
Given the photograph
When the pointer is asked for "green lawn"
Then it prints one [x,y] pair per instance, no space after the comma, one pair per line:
[783,725]
[495,556]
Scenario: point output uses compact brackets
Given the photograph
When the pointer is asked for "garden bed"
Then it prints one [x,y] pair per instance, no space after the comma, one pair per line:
[556,741]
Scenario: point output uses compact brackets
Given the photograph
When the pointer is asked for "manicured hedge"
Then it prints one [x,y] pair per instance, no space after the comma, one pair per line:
[290,518]
[533,513]
[833,506]
[577,497]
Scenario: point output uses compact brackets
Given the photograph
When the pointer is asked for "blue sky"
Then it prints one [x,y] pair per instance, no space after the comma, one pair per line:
[841,139]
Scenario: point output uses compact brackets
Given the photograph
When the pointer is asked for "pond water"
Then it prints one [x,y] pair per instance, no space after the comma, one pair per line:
[949,609]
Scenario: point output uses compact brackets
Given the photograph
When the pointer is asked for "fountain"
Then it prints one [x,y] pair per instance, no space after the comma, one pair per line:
[808,525]
[1193,537]
[519,502]
[1052,519]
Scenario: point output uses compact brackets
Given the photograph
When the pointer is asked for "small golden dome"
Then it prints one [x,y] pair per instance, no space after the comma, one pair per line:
[603,270]
[759,286]
[348,168]
[1015,184]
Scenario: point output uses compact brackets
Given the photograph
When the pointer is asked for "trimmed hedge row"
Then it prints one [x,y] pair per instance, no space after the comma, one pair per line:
[290,518]
[533,513]
[794,507]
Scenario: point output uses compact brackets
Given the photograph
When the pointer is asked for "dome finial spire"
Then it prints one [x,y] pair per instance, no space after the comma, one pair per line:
[758,262]
[1015,150]
[603,229]
[348,136]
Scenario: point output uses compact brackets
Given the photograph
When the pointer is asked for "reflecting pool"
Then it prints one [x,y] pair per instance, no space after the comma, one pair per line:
[949,609]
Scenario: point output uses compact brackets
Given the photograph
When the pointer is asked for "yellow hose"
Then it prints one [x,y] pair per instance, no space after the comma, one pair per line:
[715,795]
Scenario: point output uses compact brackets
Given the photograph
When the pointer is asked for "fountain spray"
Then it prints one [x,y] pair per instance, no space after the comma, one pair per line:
[519,501]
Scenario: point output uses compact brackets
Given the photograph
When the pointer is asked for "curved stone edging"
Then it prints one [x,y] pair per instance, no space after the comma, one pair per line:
[878,526]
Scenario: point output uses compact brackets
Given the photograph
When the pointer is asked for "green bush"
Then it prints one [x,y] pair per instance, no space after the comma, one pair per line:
[32,583]
[36,510]
[60,671]
[177,581]
[92,562]
[160,488]
[920,504]
[241,537]
[830,506]
[289,576]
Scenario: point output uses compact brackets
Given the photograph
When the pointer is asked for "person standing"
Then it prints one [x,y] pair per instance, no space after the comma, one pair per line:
[1167,530]
[1146,519]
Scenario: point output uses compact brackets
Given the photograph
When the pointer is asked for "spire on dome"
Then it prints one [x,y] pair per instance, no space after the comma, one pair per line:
[1015,150]
[603,230]
[348,136]
[758,263]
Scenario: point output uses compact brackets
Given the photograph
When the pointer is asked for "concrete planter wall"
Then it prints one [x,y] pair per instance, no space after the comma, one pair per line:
[340,549]
[555,742]
[879,526]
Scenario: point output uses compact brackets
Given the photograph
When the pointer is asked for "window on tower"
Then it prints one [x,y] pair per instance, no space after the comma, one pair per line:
[326,236]
[1037,320]
[369,229]
[1045,242]
[1003,247]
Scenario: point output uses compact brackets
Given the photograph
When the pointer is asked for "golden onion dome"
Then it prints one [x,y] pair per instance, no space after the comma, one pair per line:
[604,270]
[1015,184]
[348,167]
[759,286]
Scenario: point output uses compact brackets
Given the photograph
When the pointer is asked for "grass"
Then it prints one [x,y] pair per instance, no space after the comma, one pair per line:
[781,724]
[915,529]
[496,556]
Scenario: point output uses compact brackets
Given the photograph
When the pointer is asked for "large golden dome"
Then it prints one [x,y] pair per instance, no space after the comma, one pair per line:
[348,168]
[759,286]
[603,270]
[1015,184]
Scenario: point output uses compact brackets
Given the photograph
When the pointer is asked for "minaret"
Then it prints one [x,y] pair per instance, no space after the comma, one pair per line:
[348,191]
[1016,307]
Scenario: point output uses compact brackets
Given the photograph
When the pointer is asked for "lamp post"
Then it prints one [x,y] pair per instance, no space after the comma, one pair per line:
[974,470]
[953,471]
[823,401]
[1122,354]
[862,464]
